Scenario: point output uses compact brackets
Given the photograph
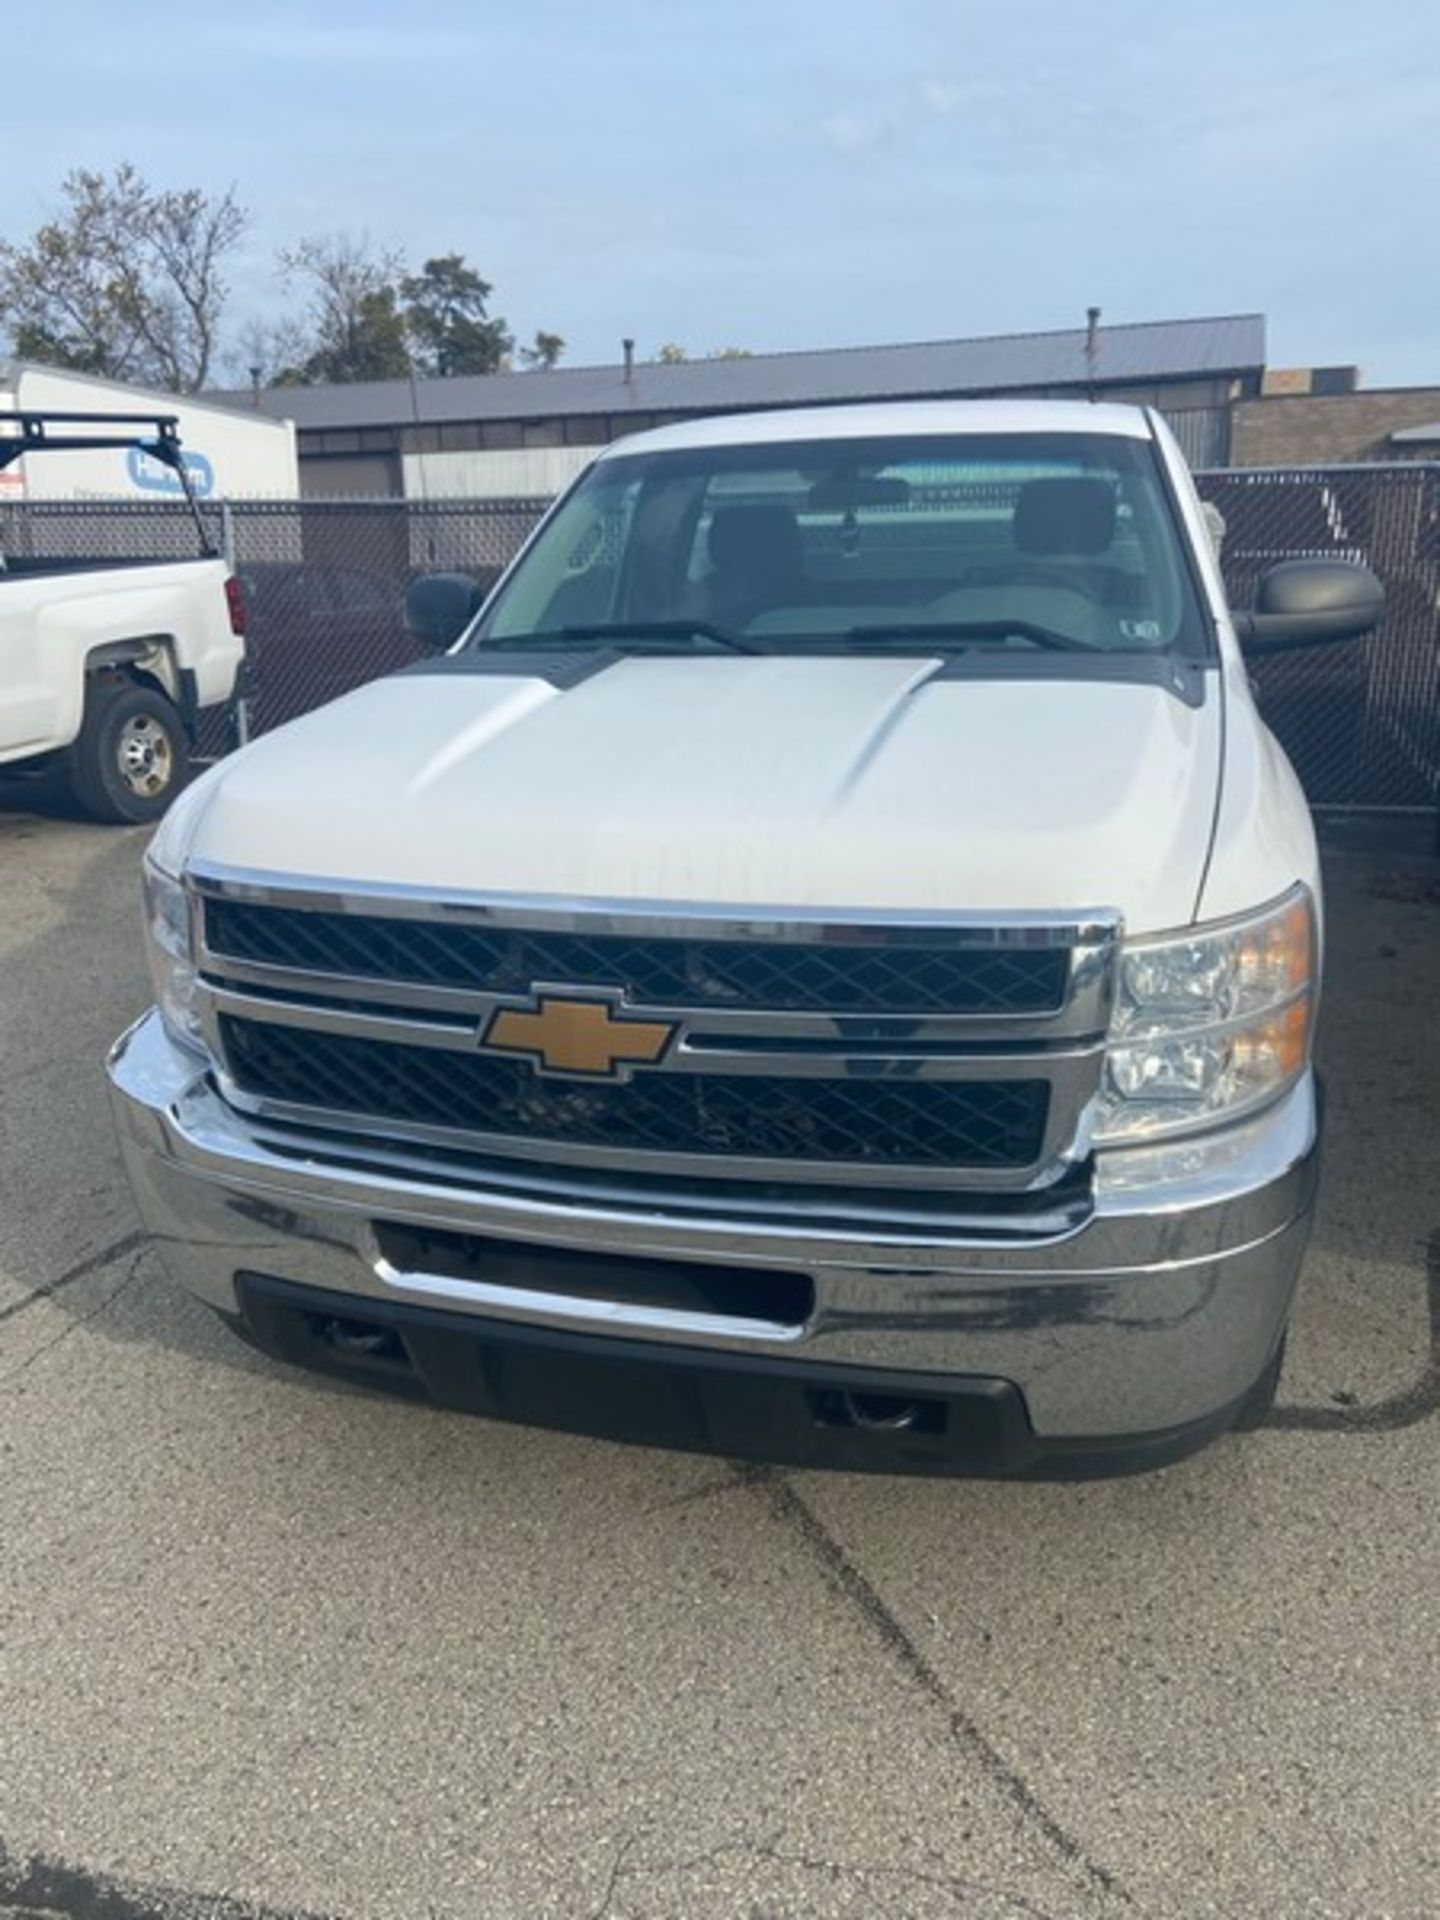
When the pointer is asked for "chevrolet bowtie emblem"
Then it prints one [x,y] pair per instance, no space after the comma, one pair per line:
[578,1037]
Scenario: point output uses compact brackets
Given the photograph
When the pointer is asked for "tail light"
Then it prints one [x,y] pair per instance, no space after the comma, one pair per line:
[235,600]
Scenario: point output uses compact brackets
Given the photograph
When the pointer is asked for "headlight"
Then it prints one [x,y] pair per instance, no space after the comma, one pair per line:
[170,949]
[1209,1024]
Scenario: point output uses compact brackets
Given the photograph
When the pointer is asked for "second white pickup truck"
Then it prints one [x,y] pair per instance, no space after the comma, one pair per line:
[825,969]
[107,663]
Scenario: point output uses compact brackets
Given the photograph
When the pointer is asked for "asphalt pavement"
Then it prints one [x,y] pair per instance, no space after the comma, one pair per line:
[271,1647]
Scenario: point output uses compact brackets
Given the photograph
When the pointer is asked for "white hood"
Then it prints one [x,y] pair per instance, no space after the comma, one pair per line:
[861,783]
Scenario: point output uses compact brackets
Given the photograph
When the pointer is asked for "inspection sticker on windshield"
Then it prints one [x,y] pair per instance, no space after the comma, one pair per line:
[1140,629]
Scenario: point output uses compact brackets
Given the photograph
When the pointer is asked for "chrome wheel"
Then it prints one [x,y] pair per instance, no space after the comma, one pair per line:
[146,756]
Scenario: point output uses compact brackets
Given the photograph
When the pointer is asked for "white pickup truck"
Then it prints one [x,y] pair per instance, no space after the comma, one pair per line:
[823,968]
[106,664]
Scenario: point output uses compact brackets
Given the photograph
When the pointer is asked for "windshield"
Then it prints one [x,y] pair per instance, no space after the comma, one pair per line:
[920,544]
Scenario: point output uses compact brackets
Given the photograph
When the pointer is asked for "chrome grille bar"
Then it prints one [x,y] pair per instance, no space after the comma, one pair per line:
[1062,1045]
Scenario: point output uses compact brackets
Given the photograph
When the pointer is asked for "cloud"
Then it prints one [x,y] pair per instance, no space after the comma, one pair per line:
[853,132]
[944,97]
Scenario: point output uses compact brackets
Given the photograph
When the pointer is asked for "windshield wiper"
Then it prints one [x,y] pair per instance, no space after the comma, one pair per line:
[621,630]
[977,630]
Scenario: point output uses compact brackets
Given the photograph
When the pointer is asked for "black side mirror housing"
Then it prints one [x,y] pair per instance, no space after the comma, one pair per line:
[439,607]
[1309,603]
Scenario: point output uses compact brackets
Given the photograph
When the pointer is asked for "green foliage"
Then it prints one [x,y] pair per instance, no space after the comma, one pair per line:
[671,355]
[125,280]
[445,316]
[354,325]
[544,353]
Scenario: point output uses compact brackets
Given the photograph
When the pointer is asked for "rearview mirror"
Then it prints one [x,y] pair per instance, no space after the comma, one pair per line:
[1309,603]
[439,607]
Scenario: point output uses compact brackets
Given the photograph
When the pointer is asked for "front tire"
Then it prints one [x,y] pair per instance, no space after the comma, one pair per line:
[130,757]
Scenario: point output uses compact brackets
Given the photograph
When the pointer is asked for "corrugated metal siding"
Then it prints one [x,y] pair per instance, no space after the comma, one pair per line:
[1203,434]
[349,476]
[516,474]
[542,472]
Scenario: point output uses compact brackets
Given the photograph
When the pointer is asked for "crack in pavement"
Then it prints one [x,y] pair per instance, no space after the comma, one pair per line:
[74,1324]
[1407,1408]
[862,1872]
[794,1512]
[742,1473]
[92,1263]
[617,1868]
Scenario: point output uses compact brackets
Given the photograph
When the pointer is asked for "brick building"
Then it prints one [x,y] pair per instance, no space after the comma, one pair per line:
[1321,429]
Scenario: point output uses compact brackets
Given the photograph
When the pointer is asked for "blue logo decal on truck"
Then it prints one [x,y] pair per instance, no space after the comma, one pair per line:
[155,477]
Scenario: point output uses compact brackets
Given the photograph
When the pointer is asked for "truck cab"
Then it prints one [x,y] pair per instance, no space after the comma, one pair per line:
[825,969]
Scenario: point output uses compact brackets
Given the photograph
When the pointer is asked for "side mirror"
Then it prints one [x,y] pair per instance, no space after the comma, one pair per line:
[439,607]
[1309,603]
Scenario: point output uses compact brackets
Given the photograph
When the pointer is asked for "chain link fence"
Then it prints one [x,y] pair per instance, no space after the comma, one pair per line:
[325,586]
[324,582]
[1360,721]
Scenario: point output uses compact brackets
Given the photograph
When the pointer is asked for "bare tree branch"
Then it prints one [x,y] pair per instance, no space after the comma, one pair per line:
[357,328]
[125,280]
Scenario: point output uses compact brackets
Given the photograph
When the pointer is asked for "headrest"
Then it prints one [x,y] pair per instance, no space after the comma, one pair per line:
[1065,516]
[758,538]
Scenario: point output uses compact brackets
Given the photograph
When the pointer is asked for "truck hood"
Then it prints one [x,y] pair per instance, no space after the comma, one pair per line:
[861,783]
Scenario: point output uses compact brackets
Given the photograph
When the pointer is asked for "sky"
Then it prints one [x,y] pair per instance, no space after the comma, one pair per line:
[780,174]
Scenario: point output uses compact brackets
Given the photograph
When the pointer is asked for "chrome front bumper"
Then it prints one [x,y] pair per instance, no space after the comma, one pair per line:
[1157,1308]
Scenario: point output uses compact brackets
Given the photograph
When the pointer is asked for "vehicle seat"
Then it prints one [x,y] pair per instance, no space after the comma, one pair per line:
[755,559]
[1064,519]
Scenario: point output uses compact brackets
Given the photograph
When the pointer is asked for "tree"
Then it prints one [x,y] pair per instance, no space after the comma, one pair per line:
[126,281]
[672,356]
[366,318]
[445,315]
[545,353]
[270,353]
[354,320]
[188,235]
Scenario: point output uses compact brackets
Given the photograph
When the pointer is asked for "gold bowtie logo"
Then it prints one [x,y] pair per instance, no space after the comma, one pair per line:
[579,1037]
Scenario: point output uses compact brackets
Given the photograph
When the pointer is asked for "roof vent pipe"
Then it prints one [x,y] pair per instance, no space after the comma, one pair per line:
[1092,348]
[629,346]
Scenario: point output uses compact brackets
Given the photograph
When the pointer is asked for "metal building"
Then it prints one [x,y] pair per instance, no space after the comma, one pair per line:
[526,434]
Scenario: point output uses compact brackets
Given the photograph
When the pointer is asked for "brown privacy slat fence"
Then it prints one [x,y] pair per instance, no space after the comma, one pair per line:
[325,582]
